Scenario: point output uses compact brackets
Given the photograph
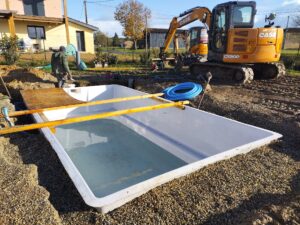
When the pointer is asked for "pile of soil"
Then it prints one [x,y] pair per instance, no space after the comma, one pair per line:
[17,78]
[23,200]
[261,187]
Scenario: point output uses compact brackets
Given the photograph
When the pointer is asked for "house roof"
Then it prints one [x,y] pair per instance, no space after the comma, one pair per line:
[163,30]
[293,30]
[6,13]
[38,19]
[48,20]
[83,24]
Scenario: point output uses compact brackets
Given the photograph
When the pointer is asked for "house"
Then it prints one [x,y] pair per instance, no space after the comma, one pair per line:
[292,38]
[156,38]
[40,24]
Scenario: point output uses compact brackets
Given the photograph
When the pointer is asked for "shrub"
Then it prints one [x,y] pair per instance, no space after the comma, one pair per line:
[155,52]
[112,59]
[289,61]
[105,57]
[9,49]
[145,57]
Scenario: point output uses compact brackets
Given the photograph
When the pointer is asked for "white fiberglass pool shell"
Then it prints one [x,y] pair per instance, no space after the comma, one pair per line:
[196,137]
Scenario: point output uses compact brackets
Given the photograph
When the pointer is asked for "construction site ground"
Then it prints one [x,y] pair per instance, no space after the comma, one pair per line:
[261,187]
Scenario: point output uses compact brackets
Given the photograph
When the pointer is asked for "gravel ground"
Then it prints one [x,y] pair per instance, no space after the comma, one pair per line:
[262,187]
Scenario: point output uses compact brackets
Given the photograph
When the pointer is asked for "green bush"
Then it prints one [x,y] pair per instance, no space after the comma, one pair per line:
[9,49]
[112,59]
[155,52]
[291,62]
[145,57]
[105,57]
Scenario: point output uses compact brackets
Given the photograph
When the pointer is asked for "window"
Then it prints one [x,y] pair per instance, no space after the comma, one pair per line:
[221,19]
[34,7]
[35,32]
[242,14]
[219,34]
[80,41]
[194,34]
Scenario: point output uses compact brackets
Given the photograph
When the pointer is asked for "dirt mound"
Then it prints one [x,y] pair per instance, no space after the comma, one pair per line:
[23,201]
[17,78]
[5,69]
[28,75]
[19,85]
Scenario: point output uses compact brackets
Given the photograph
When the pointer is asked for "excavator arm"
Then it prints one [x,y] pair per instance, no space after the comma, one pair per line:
[198,13]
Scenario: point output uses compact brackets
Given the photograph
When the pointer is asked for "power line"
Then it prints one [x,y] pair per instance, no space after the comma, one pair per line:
[287,11]
[85,2]
[93,2]
[104,5]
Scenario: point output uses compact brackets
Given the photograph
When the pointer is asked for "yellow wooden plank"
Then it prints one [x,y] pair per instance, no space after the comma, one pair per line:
[100,102]
[116,68]
[53,129]
[90,117]
[156,98]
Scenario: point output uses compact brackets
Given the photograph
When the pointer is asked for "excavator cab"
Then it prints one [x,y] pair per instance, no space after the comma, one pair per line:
[198,41]
[228,16]
[234,40]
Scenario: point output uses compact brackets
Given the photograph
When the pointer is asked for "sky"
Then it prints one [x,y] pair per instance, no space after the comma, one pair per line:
[101,12]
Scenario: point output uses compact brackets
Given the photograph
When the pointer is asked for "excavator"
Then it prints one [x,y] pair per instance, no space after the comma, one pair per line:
[234,48]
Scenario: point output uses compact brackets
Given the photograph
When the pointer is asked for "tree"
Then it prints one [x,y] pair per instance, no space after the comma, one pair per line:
[133,16]
[116,40]
[101,39]
[297,21]
[9,48]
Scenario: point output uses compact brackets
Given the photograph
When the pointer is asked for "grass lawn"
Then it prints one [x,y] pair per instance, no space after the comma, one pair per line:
[293,52]
[120,68]
[293,72]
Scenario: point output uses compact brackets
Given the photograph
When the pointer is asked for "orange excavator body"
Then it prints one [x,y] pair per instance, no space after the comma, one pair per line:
[233,44]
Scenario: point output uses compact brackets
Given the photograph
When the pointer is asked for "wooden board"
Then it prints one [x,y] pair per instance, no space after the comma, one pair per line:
[47,98]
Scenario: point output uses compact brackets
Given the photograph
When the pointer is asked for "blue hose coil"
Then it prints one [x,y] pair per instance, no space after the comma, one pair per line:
[190,91]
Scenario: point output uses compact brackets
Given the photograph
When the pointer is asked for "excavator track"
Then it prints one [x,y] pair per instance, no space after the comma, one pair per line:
[240,73]
[268,70]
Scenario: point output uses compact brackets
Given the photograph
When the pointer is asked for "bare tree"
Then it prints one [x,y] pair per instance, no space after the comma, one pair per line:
[297,21]
[132,15]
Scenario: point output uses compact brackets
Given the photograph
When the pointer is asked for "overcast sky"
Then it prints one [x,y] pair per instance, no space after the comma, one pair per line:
[101,13]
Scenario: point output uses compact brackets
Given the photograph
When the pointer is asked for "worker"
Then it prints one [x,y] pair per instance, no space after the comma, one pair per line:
[60,66]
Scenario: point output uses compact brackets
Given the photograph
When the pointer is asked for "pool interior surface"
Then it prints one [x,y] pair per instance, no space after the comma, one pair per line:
[110,156]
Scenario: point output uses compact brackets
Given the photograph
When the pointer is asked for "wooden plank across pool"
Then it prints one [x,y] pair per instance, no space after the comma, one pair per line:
[47,98]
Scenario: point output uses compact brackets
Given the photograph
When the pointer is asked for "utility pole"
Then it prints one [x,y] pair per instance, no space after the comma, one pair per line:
[285,32]
[66,21]
[85,12]
[146,31]
[288,21]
